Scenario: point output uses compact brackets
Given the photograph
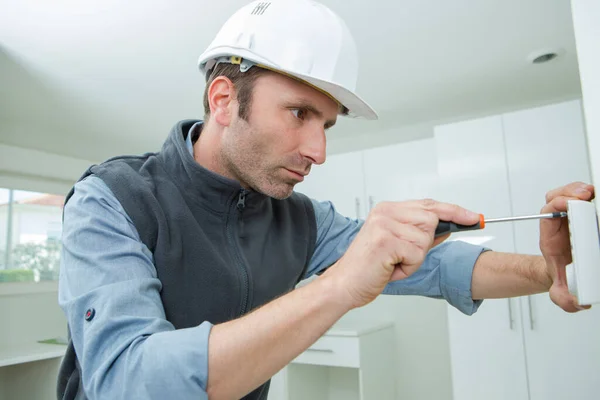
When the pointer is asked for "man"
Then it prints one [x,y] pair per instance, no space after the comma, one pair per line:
[179,267]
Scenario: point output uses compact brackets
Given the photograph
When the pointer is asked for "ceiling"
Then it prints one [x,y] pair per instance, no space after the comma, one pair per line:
[92,79]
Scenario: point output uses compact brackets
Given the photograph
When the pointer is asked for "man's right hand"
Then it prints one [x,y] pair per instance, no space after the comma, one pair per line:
[392,245]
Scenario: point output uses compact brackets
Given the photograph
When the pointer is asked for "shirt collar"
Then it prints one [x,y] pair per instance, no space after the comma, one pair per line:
[188,139]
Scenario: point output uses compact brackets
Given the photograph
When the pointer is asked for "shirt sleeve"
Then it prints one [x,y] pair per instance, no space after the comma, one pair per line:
[446,272]
[128,349]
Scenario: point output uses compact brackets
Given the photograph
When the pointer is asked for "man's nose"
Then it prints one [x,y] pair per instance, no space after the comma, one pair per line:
[314,147]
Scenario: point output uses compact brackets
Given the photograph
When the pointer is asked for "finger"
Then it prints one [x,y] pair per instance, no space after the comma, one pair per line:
[398,274]
[412,259]
[577,190]
[562,298]
[450,212]
[411,247]
[415,236]
[445,211]
[400,242]
[557,204]
[407,213]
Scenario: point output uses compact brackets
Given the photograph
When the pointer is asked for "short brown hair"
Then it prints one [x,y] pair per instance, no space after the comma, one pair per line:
[242,81]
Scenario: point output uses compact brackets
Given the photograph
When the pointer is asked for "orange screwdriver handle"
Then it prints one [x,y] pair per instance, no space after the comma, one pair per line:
[445,227]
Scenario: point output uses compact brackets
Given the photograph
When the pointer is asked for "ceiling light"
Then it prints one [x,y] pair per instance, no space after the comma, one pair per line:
[544,55]
[544,58]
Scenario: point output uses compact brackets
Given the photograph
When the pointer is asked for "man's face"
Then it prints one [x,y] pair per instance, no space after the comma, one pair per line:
[283,137]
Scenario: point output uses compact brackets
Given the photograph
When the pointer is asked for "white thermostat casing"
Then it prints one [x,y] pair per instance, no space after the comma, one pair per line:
[583,274]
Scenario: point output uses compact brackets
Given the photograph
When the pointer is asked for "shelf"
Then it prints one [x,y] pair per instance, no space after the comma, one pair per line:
[349,327]
[27,352]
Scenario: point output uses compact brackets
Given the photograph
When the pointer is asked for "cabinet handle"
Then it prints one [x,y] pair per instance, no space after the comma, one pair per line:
[320,350]
[357,205]
[371,203]
[530,312]
[510,316]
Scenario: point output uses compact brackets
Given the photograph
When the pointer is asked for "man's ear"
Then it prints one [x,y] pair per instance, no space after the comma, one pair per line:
[222,100]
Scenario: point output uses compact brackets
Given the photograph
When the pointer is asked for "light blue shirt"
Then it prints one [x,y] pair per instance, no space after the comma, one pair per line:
[129,350]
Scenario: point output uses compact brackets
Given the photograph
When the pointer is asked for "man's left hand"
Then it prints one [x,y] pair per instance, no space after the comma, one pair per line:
[555,244]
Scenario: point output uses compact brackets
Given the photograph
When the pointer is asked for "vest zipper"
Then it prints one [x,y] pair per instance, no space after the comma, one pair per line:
[241,200]
[241,205]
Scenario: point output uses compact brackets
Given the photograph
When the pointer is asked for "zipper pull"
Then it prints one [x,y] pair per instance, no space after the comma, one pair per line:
[242,200]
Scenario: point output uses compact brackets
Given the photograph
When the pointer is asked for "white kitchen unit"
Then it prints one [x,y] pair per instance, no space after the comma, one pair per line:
[403,172]
[472,171]
[526,348]
[398,172]
[406,171]
[341,180]
[353,360]
[546,148]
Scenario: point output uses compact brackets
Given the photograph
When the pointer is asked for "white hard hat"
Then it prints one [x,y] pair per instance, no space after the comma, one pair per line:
[299,38]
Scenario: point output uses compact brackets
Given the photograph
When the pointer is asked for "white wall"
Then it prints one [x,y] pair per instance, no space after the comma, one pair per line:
[586,18]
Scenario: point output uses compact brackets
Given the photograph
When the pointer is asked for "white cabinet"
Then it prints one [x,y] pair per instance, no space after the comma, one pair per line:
[524,348]
[392,173]
[546,148]
[353,360]
[472,171]
[500,166]
[400,172]
[340,180]
[405,171]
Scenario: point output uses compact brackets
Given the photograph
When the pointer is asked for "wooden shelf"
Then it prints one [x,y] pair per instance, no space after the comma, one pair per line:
[28,352]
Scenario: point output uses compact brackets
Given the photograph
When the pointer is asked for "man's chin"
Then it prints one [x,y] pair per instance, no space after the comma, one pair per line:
[279,192]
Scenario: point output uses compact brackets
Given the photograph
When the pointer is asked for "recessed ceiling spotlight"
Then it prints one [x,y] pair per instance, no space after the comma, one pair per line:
[544,58]
[544,55]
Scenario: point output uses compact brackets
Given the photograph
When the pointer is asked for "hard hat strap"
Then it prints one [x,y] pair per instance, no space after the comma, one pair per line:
[244,64]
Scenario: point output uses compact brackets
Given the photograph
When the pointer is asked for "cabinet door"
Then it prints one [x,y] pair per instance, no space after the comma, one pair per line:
[400,172]
[404,171]
[339,180]
[546,149]
[487,355]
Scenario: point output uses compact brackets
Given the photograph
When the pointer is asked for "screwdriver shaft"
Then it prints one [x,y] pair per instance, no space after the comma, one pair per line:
[537,216]
[446,227]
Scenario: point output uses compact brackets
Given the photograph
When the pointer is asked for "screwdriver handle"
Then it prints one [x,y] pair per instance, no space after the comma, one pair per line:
[446,227]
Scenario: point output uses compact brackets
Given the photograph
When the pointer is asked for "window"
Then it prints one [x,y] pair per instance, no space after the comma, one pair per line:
[30,231]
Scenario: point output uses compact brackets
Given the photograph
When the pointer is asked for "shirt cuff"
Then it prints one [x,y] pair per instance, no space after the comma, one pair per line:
[456,274]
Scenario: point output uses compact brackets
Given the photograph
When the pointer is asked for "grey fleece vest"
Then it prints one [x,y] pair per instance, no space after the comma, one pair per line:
[219,250]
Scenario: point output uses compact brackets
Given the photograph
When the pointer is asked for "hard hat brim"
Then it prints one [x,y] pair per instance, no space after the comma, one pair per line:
[357,107]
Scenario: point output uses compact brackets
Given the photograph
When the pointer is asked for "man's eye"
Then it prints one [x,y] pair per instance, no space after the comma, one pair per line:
[299,113]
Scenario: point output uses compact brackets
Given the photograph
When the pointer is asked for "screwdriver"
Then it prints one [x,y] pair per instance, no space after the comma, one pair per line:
[445,227]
